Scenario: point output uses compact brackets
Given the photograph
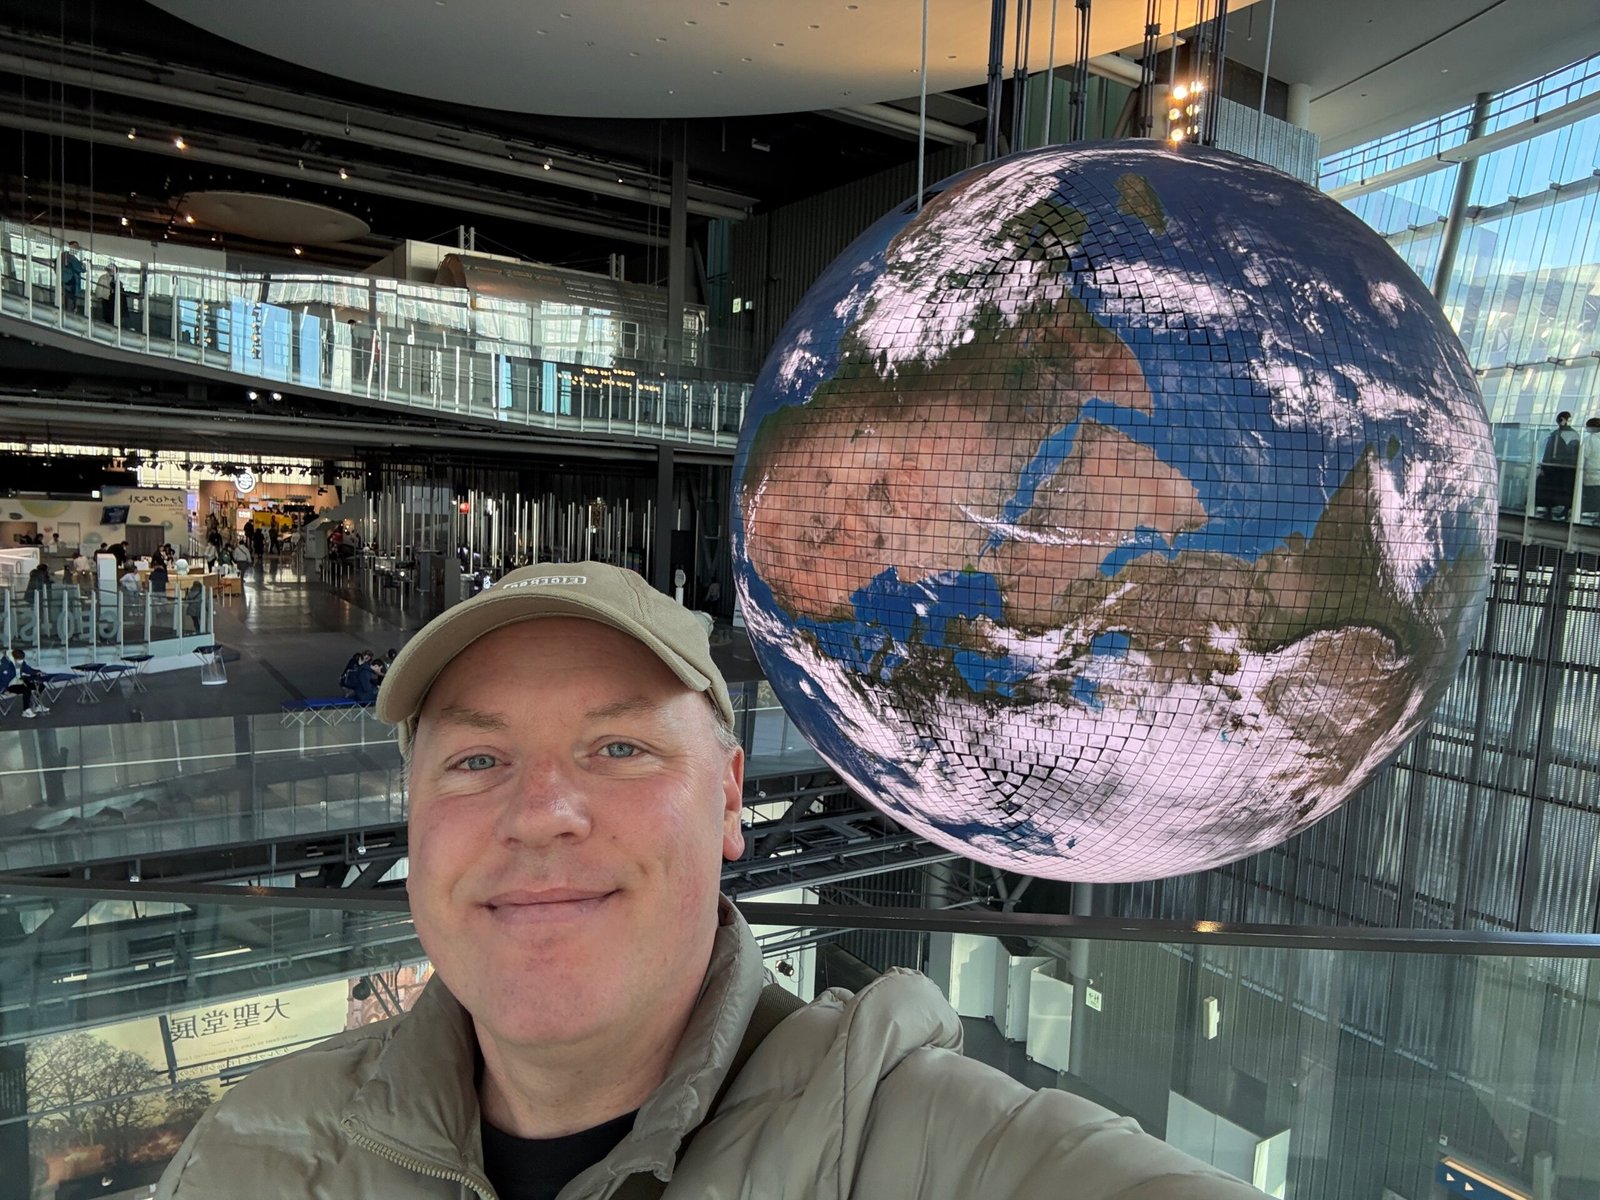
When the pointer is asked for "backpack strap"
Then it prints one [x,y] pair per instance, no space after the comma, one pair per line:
[774,1004]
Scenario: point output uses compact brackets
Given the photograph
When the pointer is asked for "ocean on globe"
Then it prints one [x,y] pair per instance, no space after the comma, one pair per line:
[1117,515]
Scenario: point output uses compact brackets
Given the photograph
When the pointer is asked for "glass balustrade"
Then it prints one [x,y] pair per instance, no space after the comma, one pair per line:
[100,793]
[1314,1064]
[381,339]
[69,625]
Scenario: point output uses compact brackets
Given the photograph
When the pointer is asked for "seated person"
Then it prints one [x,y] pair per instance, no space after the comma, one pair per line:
[359,679]
[20,676]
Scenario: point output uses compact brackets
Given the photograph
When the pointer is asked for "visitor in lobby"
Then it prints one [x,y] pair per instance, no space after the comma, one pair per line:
[108,294]
[17,675]
[364,681]
[72,278]
[39,582]
[158,578]
[1590,454]
[575,784]
[1557,470]
[239,555]
[82,568]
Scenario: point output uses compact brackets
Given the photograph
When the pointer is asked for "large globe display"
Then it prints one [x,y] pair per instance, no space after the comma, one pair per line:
[1117,515]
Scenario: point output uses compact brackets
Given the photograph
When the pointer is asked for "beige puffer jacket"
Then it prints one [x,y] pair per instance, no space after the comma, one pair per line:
[864,1097]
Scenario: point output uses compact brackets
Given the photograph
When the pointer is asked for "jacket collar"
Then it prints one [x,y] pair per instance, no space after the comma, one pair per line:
[421,1098]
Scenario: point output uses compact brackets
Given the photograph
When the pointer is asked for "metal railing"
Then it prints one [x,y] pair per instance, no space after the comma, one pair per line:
[435,349]
[1306,1062]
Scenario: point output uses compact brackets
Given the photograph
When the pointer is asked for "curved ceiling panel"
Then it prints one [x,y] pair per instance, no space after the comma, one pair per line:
[272,218]
[665,58]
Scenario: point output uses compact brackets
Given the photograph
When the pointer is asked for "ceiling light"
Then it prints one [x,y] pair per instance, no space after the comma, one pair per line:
[132,133]
[691,22]
[298,252]
[252,395]
[277,395]
[180,143]
[547,164]
[188,218]
[343,174]
[633,54]
[125,222]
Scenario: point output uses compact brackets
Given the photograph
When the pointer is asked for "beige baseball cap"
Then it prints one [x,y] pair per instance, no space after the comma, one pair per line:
[590,590]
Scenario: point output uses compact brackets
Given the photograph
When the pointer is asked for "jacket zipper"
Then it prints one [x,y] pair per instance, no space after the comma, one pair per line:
[421,1168]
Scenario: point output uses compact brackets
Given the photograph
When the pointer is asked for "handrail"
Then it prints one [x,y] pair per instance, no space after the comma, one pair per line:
[977,922]
[569,366]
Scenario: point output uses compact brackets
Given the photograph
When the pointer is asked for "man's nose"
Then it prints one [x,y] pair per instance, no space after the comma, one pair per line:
[548,804]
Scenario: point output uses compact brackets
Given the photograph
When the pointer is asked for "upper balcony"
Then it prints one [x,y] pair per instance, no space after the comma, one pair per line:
[432,351]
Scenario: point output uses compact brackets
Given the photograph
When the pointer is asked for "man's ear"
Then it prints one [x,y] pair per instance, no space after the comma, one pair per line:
[733,806]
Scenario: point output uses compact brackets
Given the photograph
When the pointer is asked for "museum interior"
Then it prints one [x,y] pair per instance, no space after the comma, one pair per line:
[1185,652]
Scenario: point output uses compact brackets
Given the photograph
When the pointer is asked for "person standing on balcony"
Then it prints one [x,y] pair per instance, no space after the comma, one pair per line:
[1558,469]
[72,278]
[107,293]
[1590,454]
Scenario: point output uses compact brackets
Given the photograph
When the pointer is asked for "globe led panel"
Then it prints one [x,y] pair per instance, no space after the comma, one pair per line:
[1117,515]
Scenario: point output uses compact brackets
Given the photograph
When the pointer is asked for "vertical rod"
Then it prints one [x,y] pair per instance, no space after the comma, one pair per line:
[1465,174]
[997,53]
[1019,99]
[1050,77]
[1219,50]
[922,113]
[1266,69]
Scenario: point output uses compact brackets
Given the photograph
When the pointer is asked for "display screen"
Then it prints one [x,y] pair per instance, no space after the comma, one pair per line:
[114,514]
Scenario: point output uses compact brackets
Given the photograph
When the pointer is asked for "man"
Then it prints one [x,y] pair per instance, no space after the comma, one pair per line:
[575,782]
[18,675]
[1558,469]
[72,278]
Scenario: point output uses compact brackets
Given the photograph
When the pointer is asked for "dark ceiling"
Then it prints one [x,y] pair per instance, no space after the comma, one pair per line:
[64,180]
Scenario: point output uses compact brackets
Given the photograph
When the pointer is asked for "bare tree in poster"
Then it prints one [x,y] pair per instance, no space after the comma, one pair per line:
[93,1093]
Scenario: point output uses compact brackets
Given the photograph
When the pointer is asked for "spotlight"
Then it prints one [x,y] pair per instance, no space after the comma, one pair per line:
[548,164]
[253,394]
[132,133]
[180,143]
[343,174]
[188,218]
[362,990]
[125,222]
[298,252]
[277,395]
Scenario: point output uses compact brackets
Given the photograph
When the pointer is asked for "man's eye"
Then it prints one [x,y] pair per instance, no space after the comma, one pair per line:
[619,750]
[478,762]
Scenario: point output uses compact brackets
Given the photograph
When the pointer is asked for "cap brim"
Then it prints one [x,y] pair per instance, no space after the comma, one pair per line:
[424,658]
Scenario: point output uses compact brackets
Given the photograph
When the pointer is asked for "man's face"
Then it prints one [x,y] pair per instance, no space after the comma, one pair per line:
[570,808]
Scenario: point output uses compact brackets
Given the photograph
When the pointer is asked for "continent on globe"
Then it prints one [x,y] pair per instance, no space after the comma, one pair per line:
[1117,515]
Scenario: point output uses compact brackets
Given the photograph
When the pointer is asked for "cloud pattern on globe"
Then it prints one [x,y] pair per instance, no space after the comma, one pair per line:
[1117,515]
